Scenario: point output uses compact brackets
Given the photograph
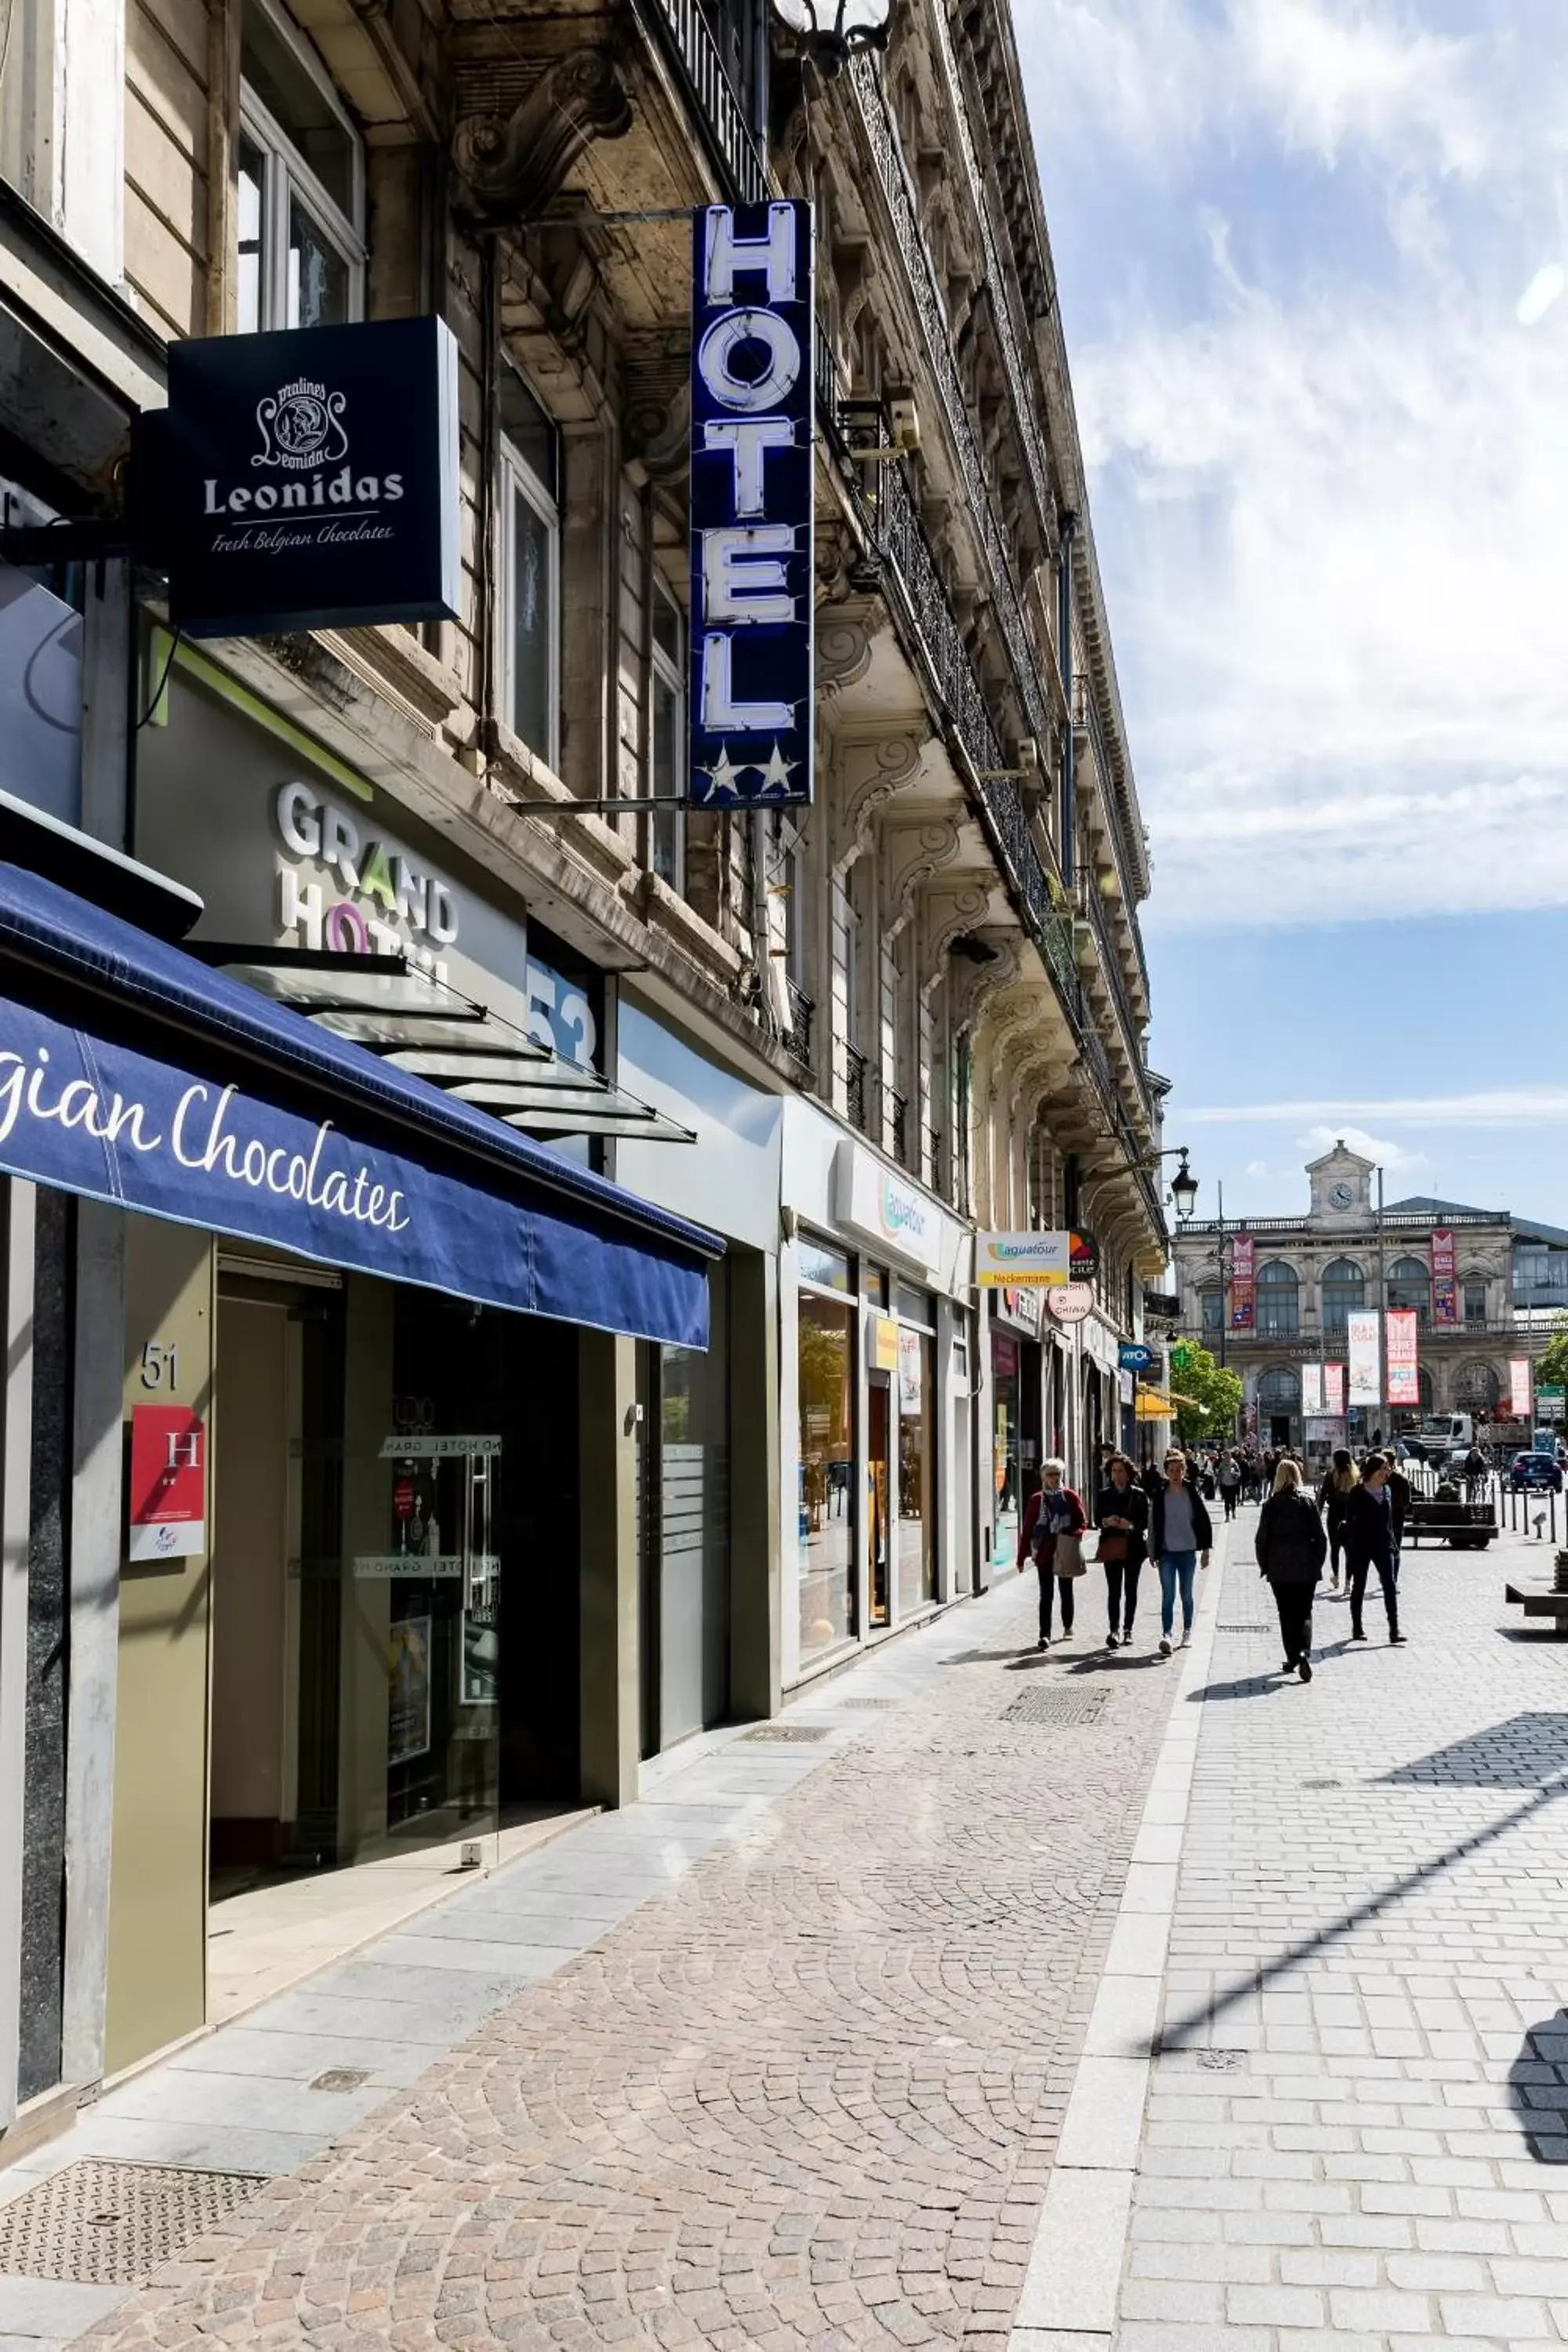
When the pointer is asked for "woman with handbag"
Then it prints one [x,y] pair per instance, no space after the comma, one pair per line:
[1053,1524]
[1121,1515]
[1179,1529]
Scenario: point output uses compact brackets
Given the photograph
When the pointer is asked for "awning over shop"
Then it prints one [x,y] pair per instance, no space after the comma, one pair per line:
[130,1073]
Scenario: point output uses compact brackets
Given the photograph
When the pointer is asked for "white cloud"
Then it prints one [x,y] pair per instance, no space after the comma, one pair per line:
[1500,1107]
[1335,75]
[1256,1168]
[1379,1149]
[1543,289]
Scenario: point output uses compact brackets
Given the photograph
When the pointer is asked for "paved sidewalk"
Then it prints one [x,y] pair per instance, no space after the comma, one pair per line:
[1358,2118]
[799,2083]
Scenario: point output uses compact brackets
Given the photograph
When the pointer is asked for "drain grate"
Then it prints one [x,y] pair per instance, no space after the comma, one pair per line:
[793,1733]
[1222,2062]
[1322,1784]
[867,1702]
[1055,1706]
[1247,1625]
[114,2224]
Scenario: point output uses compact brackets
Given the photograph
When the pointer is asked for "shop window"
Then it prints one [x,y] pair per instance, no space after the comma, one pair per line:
[826,1508]
[530,570]
[917,1469]
[300,185]
[667,738]
[1007,1446]
[828,1268]
[1475,1302]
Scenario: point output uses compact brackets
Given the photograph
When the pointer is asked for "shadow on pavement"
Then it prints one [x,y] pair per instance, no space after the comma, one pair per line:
[1538,2088]
[1522,1753]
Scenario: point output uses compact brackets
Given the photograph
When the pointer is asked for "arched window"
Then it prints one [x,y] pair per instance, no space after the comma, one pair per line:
[1278,1300]
[1211,1311]
[1279,1390]
[1410,1285]
[1478,1387]
[1344,1292]
[1423,1388]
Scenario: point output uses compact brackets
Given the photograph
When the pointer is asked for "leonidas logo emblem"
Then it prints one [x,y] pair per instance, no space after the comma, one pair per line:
[301,426]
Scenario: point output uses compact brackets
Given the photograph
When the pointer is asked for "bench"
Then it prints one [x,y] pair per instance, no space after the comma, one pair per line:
[1468,1526]
[1539,1600]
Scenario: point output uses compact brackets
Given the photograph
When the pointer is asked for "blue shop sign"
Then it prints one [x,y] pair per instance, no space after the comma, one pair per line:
[307,478]
[753,379]
[1132,1356]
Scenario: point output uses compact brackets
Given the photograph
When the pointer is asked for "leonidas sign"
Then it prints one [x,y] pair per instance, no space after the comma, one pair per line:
[308,480]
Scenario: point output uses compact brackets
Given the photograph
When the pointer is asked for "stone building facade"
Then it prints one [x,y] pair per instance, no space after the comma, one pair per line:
[1311,1271]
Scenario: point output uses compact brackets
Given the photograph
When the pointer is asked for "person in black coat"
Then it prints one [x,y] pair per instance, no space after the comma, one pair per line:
[1370,1544]
[1291,1546]
[1121,1515]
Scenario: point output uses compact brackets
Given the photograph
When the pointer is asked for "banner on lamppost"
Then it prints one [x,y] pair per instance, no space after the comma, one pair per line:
[1243,1284]
[1404,1367]
[1519,1381]
[1311,1389]
[1445,1282]
[1361,1331]
[1334,1391]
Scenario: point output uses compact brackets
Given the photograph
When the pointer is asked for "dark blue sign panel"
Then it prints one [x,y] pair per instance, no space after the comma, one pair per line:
[309,480]
[753,320]
[1134,1356]
[102,1119]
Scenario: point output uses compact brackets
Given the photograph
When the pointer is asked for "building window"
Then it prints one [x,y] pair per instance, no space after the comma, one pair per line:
[530,570]
[1410,1287]
[666,738]
[1475,1302]
[301,184]
[1344,1293]
[1278,1399]
[1477,1387]
[1278,1300]
[1211,1311]
[827,1514]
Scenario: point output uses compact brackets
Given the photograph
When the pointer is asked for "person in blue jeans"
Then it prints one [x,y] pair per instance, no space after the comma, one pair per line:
[1179,1529]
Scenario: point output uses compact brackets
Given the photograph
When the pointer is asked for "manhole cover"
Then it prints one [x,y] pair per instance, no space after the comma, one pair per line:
[867,1702]
[1222,2062]
[1055,1706]
[341,2078]
[114,2224]
[796,1733]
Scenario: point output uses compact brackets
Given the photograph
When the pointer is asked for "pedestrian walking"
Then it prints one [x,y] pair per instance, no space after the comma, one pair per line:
[1121,1515]
[1179,1529]
[1228,1478]
[1399,1507]
[1291,1547]
[1340,1484]
[1054,1522]
[1369,1536]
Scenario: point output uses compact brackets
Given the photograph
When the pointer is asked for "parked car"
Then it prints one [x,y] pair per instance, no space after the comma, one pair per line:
[1535,1474]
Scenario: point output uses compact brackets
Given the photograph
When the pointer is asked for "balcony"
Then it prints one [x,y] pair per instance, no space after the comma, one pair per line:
[1093,909]
[797,1036]
[898,1130]
[681,32]
[856,1090]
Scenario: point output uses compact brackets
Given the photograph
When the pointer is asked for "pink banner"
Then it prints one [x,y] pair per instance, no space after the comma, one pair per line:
[1404,1368]
[1444,1283]
[1243,1289]
[1519,1379]
[1334,1391]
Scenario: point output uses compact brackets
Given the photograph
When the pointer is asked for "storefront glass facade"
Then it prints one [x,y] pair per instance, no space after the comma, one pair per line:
[827,1516]
[916,1544]
[1006,1394]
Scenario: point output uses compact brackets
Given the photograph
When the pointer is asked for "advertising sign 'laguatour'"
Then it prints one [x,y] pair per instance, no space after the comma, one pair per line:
[752,388]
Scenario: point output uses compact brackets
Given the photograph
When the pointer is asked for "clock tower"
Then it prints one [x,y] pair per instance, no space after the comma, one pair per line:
[1342,1188]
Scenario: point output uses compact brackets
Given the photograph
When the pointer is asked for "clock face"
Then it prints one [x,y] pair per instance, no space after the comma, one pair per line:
[1341,1195]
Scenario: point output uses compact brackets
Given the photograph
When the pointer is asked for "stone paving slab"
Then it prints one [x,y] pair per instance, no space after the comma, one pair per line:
[1356,2133]
[799,2086]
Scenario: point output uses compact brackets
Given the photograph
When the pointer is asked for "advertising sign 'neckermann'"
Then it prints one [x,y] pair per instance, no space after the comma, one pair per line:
[309,480]
[752,393]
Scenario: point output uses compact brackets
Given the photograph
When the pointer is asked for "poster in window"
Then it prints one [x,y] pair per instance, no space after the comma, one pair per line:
[912,1368]
[478,1653]
[408,1689]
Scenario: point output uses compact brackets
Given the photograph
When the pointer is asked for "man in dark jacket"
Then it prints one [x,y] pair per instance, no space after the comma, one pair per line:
[1121,1515]
[1369,1544]
[1398,1504]
[1291,1546]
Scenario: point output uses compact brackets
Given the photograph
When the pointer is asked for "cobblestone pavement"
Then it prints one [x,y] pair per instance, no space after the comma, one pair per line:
[1357,2132]
[807,2098]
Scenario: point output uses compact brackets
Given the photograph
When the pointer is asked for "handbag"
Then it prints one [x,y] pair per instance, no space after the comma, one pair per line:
[1068,1558]
[1112,1550]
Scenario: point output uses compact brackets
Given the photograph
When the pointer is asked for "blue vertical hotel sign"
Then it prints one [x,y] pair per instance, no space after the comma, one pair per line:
[752,387]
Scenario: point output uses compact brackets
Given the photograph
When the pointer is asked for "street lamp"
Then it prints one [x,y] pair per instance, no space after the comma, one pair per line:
[830,32]
[1185,1190]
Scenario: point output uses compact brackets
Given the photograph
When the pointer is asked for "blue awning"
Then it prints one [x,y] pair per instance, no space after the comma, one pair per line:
[132,1073]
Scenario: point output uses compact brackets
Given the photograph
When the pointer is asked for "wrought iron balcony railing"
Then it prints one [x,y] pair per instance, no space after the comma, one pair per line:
[856,1090]
[1093,909]
[797,1037]
[682,31]
[899,1128]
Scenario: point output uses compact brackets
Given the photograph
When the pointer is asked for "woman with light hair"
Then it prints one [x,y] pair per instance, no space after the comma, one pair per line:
[1291,1547]
[1054,1520]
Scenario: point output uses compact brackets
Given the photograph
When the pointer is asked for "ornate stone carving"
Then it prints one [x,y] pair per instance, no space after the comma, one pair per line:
[950,909]
[513,165]
[912,855]
[867,775]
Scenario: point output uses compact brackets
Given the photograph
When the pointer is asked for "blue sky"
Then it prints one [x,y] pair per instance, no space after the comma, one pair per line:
[1312,257]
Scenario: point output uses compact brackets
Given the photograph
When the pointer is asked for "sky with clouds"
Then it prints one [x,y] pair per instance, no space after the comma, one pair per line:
[1311,260]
